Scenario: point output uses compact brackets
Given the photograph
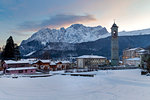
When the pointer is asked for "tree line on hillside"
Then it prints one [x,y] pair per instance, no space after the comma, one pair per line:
[11,50]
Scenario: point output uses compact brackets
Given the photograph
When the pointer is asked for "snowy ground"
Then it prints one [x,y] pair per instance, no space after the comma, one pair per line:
[106,85]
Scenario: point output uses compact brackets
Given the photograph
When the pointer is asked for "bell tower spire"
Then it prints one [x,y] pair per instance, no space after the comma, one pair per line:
[114,21]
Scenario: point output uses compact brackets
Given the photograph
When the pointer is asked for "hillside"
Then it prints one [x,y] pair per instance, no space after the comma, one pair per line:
[98,47]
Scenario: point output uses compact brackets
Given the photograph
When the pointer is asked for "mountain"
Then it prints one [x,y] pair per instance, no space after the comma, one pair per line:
[98,47]
[76,33]
[40,44]
[136,32]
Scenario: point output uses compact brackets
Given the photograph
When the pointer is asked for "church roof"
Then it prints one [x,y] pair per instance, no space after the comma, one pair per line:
[90,56]
[114,25]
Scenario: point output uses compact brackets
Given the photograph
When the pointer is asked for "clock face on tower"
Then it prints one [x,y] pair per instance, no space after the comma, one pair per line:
[114,34]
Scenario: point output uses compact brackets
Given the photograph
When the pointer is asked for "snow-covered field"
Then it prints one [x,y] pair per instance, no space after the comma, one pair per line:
[106,85]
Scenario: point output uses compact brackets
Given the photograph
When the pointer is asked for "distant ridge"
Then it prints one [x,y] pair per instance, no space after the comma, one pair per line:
[78,39]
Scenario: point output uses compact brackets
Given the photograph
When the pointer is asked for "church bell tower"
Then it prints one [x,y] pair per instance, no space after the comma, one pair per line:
[114,45]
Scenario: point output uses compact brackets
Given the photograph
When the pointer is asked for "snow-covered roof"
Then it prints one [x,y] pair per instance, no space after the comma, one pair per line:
[52,63]
[55,62]
[142,51]
[16,62]
[21,68]
[91,56]
[31,59]
[133,49]
[120,61]
[133,59]
[45,61]
[64,62]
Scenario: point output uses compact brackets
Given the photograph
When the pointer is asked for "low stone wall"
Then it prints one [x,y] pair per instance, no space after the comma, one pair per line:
[117,68]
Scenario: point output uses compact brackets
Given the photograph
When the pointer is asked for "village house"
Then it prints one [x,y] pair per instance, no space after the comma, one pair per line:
[19,67]
[59,65]
[21,70]
[132,56]
[91,61]
[51,65]
[42,64]
[132,61]
[66,64]
[131,53]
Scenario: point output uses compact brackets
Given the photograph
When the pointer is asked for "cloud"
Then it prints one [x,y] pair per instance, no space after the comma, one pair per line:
[29,26]
[56,21]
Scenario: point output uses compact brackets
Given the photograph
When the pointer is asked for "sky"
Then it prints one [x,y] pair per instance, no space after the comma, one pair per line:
[22,18]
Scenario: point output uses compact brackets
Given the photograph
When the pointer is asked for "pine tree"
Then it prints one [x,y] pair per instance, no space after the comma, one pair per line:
[8,52]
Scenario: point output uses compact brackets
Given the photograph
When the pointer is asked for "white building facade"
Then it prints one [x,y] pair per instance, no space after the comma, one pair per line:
[132,61]
[91,61]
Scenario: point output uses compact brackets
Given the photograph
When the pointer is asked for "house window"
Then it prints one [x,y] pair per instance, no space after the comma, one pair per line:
[20,71]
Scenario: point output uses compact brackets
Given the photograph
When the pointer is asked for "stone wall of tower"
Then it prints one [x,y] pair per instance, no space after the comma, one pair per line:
[114,46]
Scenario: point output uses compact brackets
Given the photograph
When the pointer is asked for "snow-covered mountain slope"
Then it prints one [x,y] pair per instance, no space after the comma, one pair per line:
[71,38]
[136,32]
[76,33]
